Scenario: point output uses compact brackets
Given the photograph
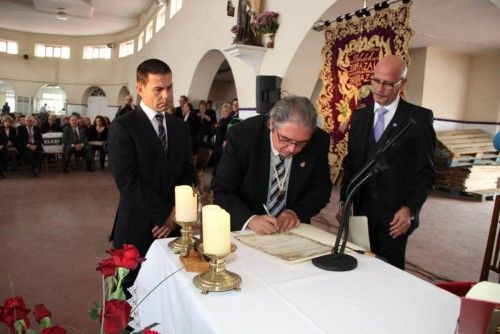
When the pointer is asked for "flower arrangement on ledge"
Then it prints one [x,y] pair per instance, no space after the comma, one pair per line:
[267,22]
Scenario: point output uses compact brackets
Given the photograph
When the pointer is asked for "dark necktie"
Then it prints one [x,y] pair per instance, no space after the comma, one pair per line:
[161,131]
[379,125]
[30,135]
[77,138]
[277,200]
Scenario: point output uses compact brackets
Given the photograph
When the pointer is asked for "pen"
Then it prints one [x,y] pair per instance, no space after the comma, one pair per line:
[266,209]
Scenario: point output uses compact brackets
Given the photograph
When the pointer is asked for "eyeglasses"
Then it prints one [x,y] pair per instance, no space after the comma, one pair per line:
[385,84]
[288,142]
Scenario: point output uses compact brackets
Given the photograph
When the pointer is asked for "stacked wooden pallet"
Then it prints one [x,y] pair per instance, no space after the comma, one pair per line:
[467,164]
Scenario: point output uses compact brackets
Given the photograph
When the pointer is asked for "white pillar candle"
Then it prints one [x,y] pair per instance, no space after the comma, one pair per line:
[216,230]
[185,204]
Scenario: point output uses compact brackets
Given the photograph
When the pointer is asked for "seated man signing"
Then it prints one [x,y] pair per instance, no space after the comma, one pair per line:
[276,163]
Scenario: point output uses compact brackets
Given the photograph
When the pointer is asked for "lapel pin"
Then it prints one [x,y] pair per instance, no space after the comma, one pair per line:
[303,164]
[394,125]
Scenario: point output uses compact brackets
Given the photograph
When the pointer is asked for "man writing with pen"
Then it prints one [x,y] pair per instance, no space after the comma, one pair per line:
[274,173]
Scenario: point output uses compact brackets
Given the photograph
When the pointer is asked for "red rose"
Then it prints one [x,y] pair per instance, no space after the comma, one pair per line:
[127,257]
[107,267]
[149,331]
[54,330]
[40,312]
[116,315]
[14,309]
[14,301]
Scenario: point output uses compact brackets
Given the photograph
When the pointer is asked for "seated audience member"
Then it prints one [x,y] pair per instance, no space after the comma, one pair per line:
[75,142]
[30,142]
[17,119]
[52,125]
[107,120]
[207,121]
[192,123]
[36,122]
[279,161]
[65,122]
[99,133]
[8,131]
[87,123]
[178,110]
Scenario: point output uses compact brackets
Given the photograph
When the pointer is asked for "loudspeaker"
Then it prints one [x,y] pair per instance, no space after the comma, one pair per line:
[268,92]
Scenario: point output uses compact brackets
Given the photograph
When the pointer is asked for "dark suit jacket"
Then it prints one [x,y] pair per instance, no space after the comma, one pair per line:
[242,177]
[145,175]
[411,175]
[12,137]
[69,137]
[23,137]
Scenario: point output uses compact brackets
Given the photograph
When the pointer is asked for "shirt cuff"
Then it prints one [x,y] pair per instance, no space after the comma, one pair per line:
[245,226]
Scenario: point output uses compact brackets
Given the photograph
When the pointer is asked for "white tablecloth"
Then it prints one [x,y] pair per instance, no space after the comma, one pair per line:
[277,297]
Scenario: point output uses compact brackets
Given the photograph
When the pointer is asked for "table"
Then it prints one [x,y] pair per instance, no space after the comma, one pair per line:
[277,297]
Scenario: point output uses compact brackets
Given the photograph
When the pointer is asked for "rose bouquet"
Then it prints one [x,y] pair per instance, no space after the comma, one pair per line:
[114,313]
[16,316]
[267,22]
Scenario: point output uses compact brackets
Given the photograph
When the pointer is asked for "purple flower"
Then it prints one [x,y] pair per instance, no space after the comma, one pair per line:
[267,22]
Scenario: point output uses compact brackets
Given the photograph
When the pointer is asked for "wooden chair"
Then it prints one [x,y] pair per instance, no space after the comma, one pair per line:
[491,255]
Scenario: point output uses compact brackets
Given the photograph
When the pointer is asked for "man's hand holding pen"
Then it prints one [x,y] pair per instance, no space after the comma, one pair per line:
[267,224]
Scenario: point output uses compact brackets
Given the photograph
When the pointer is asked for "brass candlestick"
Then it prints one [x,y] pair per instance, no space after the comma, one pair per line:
[217,278]
[182,243]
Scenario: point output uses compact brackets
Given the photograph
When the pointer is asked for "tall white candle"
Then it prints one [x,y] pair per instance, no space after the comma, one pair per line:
[216,230]
[185,204]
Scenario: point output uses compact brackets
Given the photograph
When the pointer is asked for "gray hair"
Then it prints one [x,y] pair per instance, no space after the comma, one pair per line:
[294,109]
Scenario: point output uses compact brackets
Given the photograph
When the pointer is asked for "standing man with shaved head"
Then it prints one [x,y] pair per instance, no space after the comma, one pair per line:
[391,199]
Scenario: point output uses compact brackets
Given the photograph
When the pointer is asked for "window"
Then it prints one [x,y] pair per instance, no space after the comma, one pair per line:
[96,52]
[160,18]
[149,31]
[140,41]
[9,47]
[175,6]
[126,49]
[52,51]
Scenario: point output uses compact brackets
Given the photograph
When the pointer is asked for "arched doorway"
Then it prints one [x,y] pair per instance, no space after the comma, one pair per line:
[213,80]
[8,94]
[55,98]
[97,102]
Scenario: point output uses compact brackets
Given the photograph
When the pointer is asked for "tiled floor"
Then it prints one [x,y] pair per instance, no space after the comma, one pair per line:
[54,230]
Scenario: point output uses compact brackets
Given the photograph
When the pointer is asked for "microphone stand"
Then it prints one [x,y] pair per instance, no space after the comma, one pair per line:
[338,260]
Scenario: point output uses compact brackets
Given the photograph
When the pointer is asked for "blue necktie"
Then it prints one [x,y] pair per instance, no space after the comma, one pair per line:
[379,125]
[161,131]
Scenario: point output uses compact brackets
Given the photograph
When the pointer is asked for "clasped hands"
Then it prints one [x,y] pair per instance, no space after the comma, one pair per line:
[265,224]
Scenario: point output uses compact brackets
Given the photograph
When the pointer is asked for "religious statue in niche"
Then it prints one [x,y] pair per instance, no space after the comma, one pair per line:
[247,9]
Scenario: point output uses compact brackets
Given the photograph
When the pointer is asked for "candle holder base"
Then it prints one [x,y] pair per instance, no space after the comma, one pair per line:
[217,278]
[182,243]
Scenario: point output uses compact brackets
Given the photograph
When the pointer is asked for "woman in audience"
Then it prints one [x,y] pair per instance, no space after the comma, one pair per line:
[52,125]
[106,119]
[8,132]
[87,123]
[36,121]
[99,133]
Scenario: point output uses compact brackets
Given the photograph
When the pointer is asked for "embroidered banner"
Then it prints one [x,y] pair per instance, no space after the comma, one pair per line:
[352,49]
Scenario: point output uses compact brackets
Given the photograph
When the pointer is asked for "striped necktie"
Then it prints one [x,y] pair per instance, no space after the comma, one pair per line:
[277,200]
[161,131]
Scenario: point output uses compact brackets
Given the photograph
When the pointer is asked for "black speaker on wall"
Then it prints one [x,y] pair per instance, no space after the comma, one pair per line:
[268,92]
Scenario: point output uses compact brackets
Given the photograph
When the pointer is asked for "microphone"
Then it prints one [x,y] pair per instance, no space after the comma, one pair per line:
[338,260]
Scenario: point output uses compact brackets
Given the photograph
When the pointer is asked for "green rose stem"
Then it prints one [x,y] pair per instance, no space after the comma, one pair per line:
[157,285]
[103,303]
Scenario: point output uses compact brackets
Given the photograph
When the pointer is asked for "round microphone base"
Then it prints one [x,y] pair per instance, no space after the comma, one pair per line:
[336,262]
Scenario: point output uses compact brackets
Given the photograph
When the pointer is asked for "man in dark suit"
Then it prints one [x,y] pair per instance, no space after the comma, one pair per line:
[30,143]
[128,106]
[75,142]
[150,154]
[193,123]
[178,110]
[392,199]
[280,162]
